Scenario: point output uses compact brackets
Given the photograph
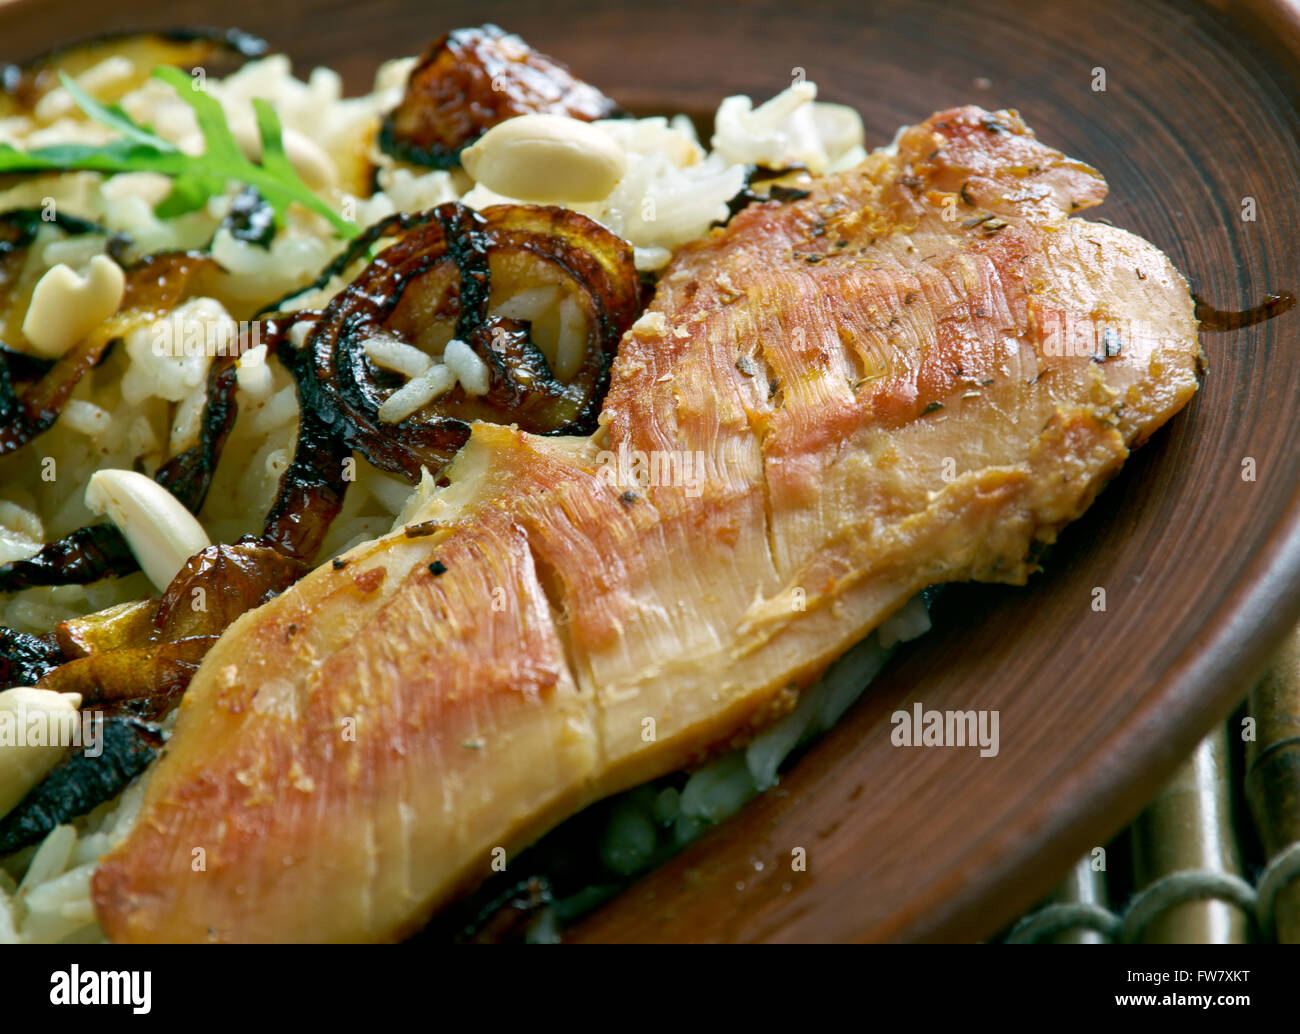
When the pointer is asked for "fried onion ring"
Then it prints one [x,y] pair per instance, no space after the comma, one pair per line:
[439,281]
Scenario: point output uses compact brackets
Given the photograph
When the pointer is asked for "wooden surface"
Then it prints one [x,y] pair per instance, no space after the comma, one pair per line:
[1201,569]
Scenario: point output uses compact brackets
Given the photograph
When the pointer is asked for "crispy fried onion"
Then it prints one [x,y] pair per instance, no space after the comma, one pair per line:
[24,657]
[470,80]
[540,295]
[312,487]
[150,648]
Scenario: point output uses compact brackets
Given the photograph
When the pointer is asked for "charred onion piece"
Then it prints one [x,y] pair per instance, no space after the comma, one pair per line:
[470,80]
[150,648]
[86,555]
[188,475]
[251,219]
[157,645]
[581,254]
[156,671]
[24,657]
[79,783]
[750,193]
[20,367]
[445,269]
[126,624]
[336,382]
[311,489]
[217,52]
[18,227]
[234,579]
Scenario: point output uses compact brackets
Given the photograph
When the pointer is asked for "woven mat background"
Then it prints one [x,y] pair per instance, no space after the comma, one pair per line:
[1215,857]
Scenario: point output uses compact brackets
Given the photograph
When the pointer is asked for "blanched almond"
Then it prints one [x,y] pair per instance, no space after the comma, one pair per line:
[25,711]
[546,158]
[160,531]
[66,306]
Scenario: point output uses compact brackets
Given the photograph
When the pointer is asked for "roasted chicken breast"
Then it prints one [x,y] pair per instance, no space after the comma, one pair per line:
[917,374]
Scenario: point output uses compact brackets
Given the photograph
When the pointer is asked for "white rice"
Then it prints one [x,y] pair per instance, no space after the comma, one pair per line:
[140,407]
[391,354]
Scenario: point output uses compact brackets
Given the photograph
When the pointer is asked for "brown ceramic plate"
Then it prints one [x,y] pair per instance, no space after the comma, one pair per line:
[1201,567]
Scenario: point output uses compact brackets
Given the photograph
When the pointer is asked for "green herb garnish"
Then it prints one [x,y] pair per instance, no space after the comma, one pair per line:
[195,179]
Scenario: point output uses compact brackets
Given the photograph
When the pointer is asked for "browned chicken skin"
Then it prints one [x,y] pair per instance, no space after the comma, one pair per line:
[912,376]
